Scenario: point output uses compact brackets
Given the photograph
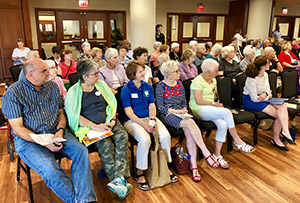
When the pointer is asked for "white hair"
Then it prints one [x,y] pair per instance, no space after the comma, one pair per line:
[216,48]
[193,43]
[267,50]
[168,67]
[248,50]
[32,54]
[226,50]
[156,44]
[199,46]
[209,65]
[174,45]
[50,63]
[162,58]
[110,52]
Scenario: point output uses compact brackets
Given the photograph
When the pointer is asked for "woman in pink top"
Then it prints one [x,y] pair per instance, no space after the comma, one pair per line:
[54,78]
[186,67]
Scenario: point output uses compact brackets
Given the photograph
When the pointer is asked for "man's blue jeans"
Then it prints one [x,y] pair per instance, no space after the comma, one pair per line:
[40,159]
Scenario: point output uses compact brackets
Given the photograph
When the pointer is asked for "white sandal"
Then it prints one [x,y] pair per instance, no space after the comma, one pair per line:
[245,147]
[221,161]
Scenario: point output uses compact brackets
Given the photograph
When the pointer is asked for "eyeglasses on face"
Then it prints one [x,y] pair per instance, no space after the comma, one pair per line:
[176,71]
[95,74]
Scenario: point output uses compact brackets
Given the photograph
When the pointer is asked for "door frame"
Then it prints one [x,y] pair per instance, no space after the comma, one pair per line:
[58,37]
[291,29]
[180,28]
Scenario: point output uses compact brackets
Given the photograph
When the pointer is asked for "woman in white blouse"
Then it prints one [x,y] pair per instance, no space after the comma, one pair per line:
[257,91]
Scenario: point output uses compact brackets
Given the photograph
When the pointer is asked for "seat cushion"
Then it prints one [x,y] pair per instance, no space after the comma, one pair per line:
[243,116]
[205,125]
[261,115]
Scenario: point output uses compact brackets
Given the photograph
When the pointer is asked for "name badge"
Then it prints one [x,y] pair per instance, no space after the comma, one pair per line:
[134,96]
[97,93]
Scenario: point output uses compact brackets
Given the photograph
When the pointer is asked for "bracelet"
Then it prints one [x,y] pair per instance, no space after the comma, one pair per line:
[89,124]
[266,93]
[153,119]
[276,61]
[113,119]
[61,128]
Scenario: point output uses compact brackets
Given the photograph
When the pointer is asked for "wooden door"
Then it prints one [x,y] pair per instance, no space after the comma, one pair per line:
[187,30]
[11,29]
[286,27]
[205,28]
[96,28]
[71,31]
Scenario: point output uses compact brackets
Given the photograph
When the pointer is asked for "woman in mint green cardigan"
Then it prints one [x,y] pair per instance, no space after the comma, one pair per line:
[90,105]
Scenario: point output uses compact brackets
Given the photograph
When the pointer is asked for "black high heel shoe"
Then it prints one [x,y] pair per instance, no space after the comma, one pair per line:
[290,141]
[279,147]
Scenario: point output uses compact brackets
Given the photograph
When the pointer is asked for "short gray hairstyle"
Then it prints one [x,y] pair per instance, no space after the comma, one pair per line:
[267,50]
[199,46]
[174,45]
[50,63]
[156,44]
[193,43]
[162,58]
[226,50]
[209,65]
[216,48]
[168,67]
[84,44]
[248,50]
[33,54]
[86,66]
[110,52]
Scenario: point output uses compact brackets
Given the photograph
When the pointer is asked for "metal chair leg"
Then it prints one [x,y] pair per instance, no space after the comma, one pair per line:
[29,183]
[229,143]
[18,169]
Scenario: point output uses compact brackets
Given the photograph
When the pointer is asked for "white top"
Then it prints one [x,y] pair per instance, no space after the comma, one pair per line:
[240,39]
[20,53]
[116,81]
[148,73]
[256,86]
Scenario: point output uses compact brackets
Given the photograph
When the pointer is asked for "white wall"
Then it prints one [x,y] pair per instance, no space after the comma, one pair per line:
[259,18]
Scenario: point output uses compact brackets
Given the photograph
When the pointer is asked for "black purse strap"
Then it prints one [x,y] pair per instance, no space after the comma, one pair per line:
[68,71]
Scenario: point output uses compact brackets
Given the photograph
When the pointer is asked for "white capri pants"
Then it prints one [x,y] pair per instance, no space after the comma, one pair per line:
[144,141]
[222,117]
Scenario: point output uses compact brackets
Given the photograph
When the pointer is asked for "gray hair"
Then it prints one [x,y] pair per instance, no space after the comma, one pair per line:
[168,67]
[248,50]
[193,43]
[28,67]
[174,45]
[50,63]
[110,52]
[226,50]
[162,58]
[156,44]
[84,44]
[216,48]
[199,46]
[33,54]
[209,65]
[86,66]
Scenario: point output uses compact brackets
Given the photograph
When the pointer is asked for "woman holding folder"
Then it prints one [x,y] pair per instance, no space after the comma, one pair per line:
[257,92]
[91,105]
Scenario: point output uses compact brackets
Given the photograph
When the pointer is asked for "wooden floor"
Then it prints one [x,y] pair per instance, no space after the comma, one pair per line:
[266,175]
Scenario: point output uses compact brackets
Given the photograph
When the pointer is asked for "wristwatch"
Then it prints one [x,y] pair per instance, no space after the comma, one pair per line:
[266,93]
[61,128]
[153,119]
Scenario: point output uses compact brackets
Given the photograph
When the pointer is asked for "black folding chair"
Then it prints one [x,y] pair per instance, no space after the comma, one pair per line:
[73,78]
[15,71]
[240,116]
[240,81]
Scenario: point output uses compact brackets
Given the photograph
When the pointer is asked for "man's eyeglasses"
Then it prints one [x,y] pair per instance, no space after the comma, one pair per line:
[176,71]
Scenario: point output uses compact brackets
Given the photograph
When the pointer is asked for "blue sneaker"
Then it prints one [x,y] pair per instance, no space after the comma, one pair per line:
[128,185]
[117,187]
